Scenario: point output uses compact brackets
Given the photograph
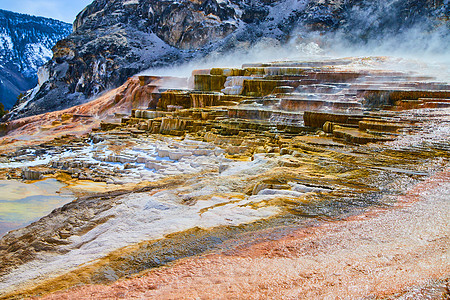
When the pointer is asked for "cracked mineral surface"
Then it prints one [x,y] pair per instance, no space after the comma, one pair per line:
[313,179]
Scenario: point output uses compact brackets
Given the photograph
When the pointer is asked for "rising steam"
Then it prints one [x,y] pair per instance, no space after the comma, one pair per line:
[414,30]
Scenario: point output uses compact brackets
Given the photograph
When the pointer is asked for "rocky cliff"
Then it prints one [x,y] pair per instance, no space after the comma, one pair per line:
[25,45]
[115,39]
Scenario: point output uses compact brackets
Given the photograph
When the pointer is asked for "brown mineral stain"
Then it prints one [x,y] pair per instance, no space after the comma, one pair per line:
[388,250]
[372,255]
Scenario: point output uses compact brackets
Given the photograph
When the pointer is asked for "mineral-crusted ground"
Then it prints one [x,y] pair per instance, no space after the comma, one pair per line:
[399,253]
[299,179]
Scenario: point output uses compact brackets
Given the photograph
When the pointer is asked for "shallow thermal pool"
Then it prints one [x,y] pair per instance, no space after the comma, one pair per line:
[23,203]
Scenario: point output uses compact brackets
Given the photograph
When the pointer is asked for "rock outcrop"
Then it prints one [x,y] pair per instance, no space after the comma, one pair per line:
[113,40]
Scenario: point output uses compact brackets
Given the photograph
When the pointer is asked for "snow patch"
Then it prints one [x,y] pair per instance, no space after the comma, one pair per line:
[131,2]
[6,42]
[36,54]
[284,9]
[43,75]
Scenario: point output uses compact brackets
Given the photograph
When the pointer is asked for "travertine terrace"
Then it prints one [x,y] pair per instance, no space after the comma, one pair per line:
[269,168]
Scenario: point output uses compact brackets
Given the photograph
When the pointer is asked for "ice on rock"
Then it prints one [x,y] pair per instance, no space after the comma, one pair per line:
[234,85]
[280,193]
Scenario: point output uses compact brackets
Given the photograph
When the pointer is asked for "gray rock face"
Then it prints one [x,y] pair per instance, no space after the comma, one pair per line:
[115,39]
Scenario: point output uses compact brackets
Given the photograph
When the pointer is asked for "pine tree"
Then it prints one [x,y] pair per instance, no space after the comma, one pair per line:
[2,110]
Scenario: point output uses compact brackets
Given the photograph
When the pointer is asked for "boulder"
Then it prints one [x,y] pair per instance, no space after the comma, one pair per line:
[31,175]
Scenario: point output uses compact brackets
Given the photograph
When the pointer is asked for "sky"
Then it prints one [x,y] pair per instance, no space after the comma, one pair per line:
[64,10]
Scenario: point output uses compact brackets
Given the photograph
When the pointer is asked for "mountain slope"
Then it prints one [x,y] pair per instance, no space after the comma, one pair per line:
[118,38]
[25,45]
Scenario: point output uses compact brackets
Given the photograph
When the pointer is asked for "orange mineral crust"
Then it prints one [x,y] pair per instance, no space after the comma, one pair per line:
[401,251]
[77,120]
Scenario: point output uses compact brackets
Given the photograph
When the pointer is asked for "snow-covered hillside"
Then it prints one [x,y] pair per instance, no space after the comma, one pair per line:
[25,45]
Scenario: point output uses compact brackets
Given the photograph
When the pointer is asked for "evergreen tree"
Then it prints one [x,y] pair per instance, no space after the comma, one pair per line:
[2,110]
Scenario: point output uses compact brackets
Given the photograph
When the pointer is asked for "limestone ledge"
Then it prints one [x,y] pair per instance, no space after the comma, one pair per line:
[191,169]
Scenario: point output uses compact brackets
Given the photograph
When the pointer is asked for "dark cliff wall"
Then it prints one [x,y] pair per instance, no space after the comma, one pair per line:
[115,39]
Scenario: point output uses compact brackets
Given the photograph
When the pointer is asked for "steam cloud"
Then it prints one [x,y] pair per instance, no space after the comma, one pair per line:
[416,30]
